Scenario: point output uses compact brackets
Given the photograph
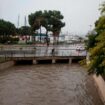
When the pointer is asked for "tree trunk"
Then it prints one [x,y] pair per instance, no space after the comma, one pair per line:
[47,34]
[54,40]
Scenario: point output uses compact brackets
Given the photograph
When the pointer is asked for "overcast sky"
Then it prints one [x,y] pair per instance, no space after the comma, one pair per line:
[78,14]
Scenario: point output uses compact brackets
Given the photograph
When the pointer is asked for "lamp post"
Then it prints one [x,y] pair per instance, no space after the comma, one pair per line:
[40,30]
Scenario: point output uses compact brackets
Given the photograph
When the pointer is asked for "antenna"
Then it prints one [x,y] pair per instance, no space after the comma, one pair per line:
[18,21]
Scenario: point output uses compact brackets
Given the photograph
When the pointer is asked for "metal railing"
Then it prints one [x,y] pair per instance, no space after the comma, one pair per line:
[41,53]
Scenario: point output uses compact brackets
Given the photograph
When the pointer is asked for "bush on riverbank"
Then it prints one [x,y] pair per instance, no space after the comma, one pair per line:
[96,46]
[9,40]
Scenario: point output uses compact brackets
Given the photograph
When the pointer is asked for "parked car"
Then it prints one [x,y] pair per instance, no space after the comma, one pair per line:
[80,48]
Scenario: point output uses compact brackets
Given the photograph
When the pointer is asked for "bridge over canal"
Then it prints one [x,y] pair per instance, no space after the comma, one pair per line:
[37,55]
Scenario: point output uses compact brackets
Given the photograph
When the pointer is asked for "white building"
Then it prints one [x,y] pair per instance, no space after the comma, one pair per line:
[72,38]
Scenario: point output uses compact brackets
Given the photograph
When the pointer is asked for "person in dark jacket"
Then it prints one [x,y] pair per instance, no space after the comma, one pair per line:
[53,50]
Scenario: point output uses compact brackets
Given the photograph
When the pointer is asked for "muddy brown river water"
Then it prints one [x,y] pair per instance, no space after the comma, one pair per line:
[59,84]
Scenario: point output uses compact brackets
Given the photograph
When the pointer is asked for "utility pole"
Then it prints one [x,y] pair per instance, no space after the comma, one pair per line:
[25,21]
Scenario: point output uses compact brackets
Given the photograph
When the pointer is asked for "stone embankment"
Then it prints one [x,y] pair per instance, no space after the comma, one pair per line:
[101,86]
[6,65]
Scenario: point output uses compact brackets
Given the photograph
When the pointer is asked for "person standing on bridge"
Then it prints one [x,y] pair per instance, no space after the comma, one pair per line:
[53,51]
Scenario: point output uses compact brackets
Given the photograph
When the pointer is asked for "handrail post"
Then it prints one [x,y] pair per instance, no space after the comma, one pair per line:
[5,56]
[11,54]
[24,53]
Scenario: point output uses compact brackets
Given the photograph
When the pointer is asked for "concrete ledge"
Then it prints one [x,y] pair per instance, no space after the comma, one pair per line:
[101,86]
[6,65]
[34,61]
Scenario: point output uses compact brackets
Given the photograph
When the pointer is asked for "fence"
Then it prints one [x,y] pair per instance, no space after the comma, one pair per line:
[40,53]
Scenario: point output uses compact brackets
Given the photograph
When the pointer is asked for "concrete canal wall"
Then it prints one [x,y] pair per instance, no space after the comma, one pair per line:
[6,65]
[101,86]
